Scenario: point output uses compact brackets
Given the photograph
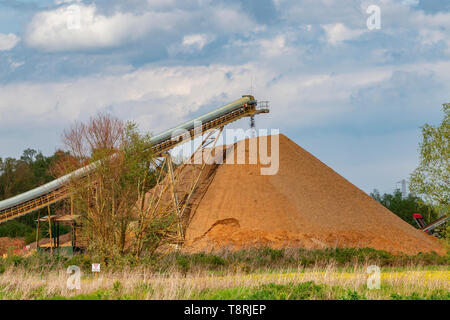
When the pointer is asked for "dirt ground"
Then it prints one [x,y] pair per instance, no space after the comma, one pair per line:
[44,242]
[7,244]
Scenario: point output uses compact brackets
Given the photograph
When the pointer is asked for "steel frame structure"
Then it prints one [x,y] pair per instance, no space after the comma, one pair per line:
[180,202]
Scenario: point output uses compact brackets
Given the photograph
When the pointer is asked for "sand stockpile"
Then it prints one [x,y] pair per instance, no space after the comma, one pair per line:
[305,204]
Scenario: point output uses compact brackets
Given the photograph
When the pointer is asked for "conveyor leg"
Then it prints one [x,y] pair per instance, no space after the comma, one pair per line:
[201,170]
[175,199]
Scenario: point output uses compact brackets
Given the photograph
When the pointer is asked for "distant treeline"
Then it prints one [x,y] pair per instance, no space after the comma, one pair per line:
[31,170]
[404,207]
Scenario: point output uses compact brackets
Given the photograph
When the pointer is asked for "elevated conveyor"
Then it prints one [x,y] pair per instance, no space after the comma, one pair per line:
[433,225]
[57,190]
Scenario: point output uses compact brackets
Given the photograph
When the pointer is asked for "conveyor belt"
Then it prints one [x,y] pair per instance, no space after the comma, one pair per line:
[56,190]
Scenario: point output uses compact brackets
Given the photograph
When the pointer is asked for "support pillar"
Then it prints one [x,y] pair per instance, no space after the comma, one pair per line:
[50,229]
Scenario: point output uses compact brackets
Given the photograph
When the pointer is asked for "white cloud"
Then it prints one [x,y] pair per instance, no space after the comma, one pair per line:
[162,97]
[267,48]
[432,28]
[81,27]
[274,47]
[156,97]
[161,3]
[15,64]
[431,36]
[412,3]
[339,32]
[231,20]
[197,41]
[8,41]
[67,1]
[191,44]
[159,98]
[56,30]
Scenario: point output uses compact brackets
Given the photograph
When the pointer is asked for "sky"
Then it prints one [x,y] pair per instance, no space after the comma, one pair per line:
[351,86]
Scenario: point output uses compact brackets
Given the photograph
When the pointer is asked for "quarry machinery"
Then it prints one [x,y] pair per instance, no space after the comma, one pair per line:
[429,228]
[57,189]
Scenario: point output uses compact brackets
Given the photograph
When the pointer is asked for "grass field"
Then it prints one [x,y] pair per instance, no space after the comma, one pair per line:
[263,274]
[306,284]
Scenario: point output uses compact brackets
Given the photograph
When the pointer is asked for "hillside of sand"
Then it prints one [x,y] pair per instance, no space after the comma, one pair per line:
[305,204]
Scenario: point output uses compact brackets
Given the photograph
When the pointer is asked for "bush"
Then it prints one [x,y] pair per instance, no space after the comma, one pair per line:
[352,295]
[269,291]
[82,261]
[301,291]
[31,237]
[38,261]
[14,229]
[14,260]
[183,264]
[273,253]
[207,260]
[244,261]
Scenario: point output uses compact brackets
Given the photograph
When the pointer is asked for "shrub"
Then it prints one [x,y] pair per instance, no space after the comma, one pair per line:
[15,260]
[208,260]
[269,291]
[117,286]
[31,237]
[352,295]
[83,261]
[14,229]
[301,291]
[183,264]
[274,254]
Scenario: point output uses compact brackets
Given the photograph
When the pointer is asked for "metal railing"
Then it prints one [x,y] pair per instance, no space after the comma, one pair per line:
[262,105]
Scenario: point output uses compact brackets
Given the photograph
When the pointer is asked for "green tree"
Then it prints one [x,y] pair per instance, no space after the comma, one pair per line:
[20,175]
[405,207]
[111,198]
[431,179]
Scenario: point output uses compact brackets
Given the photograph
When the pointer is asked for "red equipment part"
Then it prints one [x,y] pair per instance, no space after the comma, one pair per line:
[430,227]
[419,220]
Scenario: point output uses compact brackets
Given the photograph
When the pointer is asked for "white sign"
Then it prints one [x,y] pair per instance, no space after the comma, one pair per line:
[96,267]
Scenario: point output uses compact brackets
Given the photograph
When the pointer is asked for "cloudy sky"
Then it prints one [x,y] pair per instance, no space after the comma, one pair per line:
[354,97]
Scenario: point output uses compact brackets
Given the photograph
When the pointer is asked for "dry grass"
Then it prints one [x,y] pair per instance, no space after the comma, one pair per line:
[17,283]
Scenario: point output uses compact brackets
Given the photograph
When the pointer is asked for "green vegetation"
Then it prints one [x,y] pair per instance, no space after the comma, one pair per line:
[250,274]
[270,291]
[308,290]
[31,170]
[311,291]
[434,295]
[405,207]
[19,175]
[429,182]
[122,181]
[245,261]
[115,214]
[15,229]
[431,179]
[256,260]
